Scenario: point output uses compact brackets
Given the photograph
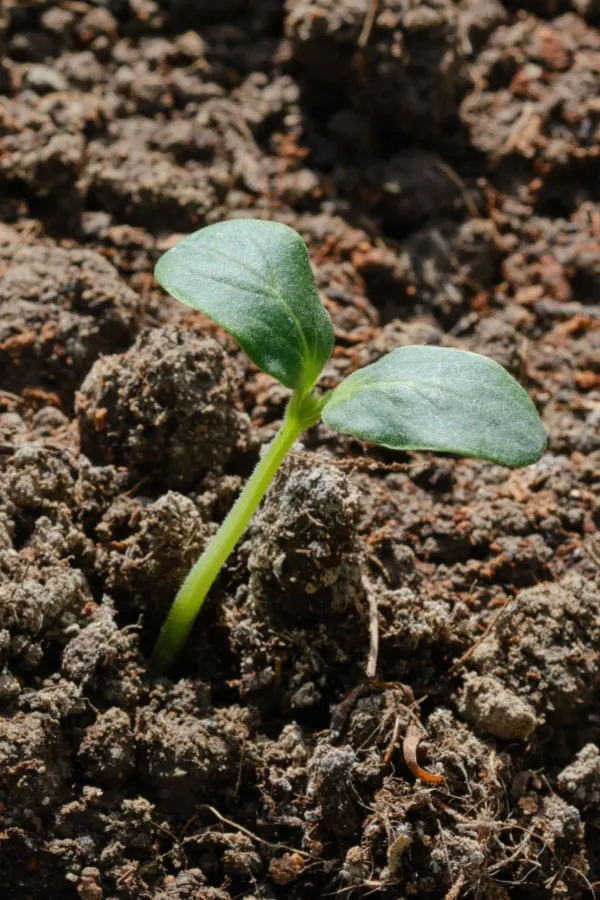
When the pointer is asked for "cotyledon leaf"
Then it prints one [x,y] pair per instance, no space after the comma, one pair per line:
[437,398]
[254,279]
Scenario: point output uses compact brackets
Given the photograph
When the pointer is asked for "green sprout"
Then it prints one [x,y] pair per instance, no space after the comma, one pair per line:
[254,279]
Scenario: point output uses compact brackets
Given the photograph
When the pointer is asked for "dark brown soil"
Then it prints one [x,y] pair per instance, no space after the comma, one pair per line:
[443,165]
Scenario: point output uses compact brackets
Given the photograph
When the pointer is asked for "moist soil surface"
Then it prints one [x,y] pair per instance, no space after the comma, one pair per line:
[442,161]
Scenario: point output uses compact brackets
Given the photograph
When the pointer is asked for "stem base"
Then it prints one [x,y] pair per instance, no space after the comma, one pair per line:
[196,586]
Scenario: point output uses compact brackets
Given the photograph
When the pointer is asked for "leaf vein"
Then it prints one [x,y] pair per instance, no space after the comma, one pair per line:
[276,294]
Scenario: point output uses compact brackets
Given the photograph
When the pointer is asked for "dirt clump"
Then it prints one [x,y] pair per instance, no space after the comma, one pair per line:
[61,310]
[133,188]
[580,780]
[144,551]
[413,54]
[523,650]
[169,401]
[107,749]
[488,705]
[313,588]
[316,502]
[542,78]
[31,746]
[182,753]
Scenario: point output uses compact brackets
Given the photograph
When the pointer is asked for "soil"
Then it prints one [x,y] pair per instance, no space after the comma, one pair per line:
[442,161]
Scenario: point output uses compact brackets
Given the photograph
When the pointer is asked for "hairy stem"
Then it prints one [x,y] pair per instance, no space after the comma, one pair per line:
[196,586]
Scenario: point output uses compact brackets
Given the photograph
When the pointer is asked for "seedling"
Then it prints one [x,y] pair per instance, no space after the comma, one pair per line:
[254,279]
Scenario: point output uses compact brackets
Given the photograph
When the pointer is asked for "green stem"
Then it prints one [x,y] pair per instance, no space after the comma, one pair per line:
[194,589]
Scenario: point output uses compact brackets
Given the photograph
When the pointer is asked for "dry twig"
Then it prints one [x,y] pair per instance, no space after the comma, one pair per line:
[482,637]
[373,629]
[254,837]
[367,28]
